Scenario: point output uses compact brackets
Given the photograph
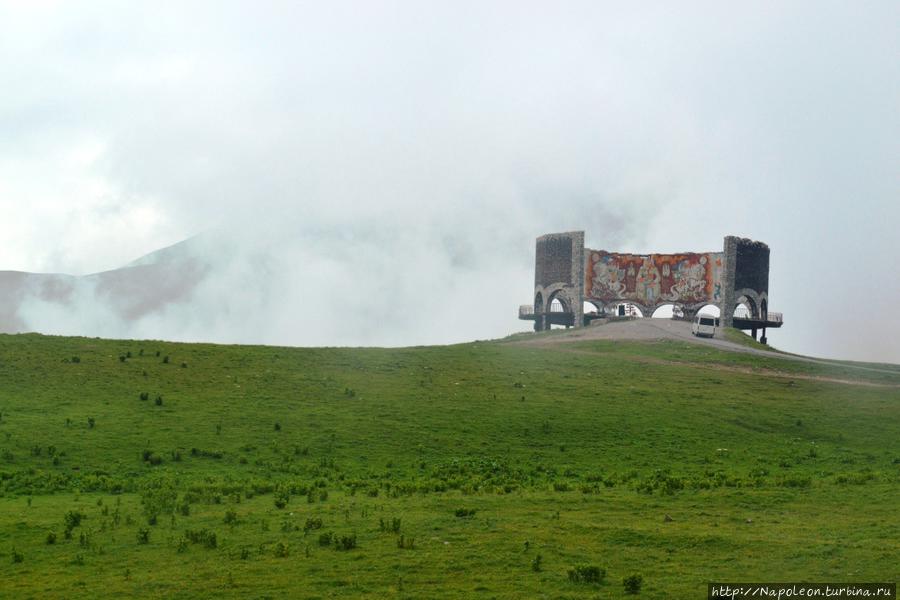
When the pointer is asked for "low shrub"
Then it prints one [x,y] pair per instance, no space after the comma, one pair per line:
[392,526]
[633,583]
[202,537]
[586,574]
[345,542]
[311,524]
[143,536]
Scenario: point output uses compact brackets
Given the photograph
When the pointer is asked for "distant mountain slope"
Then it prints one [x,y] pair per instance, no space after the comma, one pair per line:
[145,286]
[282,285]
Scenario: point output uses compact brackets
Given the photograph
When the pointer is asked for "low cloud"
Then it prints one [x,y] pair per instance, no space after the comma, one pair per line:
[377,173]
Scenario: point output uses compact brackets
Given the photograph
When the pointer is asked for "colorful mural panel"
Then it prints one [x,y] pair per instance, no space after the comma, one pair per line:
[654,279]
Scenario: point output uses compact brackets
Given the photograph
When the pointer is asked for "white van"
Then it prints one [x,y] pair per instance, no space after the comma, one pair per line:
[704,325]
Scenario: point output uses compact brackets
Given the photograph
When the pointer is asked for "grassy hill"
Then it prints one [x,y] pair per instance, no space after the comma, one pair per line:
[485,470]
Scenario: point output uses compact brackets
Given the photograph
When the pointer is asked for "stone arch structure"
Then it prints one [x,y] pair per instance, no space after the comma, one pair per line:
[562,297]
[749,298]
[538,311]
[566,270]
[596,305]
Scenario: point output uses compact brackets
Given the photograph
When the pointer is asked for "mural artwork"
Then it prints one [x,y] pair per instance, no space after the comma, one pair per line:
[654,279]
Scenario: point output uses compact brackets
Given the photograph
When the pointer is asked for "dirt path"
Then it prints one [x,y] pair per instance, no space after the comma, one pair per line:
[668,329]
[739,369]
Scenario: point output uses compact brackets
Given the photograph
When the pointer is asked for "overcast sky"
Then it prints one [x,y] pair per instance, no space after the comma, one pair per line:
[390,163]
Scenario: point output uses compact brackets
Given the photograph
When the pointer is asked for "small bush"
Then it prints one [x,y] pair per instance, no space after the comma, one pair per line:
[633,583]
[537,563]
[281,550]
[151,457]
[122,358]
[158,401]
[345,542]
[586,574]
[72,519]
[51,538]
[392,526]
[184,365]
[287,527]
[91,422]
[406,543]
[202,537]
[325,539]
[230,517]
[277,426]
[17,556]
[311,524]
[76,359]
[166,359]
[145,396]
[463,513]
[143,536]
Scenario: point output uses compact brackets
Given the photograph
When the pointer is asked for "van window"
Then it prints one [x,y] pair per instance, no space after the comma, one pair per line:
[705,321]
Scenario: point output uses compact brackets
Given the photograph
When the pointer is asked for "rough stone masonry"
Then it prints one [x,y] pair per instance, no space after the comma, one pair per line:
[573,275]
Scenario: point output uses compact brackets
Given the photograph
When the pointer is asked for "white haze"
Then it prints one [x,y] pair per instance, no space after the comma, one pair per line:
[376,173]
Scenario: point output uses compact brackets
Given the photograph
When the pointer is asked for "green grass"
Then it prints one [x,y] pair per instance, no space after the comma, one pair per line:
[574,452]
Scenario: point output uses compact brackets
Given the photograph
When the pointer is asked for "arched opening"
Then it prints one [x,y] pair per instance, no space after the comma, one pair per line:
[558,303]
[592,308]
[764,309]
[557,306]
[627,309]
[665,311]
[710,309]
[538,303]
[745,308]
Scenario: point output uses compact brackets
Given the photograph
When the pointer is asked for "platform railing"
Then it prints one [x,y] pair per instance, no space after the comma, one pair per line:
[774,317]
[526,310]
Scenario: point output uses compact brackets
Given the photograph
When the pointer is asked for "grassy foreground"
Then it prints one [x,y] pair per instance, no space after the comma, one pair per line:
[483,470]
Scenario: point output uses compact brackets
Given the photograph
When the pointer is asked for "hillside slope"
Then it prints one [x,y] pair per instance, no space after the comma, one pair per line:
[236,471]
